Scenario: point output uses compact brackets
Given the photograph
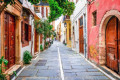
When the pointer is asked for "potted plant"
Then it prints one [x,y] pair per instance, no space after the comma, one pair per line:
[27,57]
[41,48]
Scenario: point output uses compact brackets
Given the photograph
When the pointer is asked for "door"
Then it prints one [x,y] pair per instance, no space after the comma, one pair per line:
[81,40]
[35,42]
[9,37]
[41,38]
[112,43]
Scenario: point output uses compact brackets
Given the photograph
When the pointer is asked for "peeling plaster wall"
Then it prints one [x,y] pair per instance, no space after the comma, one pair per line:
[102,7]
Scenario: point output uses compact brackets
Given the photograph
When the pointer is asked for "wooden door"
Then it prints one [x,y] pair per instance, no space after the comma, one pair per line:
[9,39]
[81,40]
[41,38]
[112,44]
[35,42]
[118,45]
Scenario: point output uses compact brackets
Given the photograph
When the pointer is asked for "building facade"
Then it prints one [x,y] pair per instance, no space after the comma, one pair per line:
[42,10]
[17,33]
[28,36]
[79,27]
[67,24]
[103,33]
[11,35]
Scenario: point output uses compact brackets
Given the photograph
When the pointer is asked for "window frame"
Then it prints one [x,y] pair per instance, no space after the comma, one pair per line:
[94,18]
[23,34]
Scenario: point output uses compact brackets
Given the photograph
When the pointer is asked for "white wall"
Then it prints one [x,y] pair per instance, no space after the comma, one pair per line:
[80,10]
[31,43]
[31,22]
[40,13]
[62,32]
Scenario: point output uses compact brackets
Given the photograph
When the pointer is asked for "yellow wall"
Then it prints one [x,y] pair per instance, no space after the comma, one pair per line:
[68,22]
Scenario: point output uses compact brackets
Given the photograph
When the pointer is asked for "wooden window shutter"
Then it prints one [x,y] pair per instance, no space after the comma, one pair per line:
[46,12]
[29,32]
[22,32]
[42,11]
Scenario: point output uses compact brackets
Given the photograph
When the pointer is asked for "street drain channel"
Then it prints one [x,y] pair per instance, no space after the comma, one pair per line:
[41,63]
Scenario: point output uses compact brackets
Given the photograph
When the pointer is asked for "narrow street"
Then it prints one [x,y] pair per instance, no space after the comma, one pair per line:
[60,63]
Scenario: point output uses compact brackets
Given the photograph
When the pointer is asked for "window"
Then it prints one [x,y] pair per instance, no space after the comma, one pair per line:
[42,11]
[25,33]
[36,7]
[46,12]
[37,10]
[94,18]
[81,21]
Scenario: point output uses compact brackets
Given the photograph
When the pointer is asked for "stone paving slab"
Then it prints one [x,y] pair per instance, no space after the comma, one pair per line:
[47,67]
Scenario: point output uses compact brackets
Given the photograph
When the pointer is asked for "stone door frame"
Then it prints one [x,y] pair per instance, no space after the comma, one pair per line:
[102,30]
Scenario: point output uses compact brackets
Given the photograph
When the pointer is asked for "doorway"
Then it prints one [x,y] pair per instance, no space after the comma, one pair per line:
[113,43]
[9,37]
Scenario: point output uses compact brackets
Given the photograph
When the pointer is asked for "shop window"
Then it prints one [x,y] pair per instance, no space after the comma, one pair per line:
[94,18]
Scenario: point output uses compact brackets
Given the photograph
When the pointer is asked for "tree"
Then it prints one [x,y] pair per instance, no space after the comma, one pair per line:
[4,3]
[43,27]
[59,7]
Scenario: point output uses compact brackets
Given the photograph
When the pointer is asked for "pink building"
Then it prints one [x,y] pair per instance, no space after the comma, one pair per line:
[104,33]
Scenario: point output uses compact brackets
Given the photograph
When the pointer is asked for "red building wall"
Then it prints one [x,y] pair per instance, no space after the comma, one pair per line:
[101,6]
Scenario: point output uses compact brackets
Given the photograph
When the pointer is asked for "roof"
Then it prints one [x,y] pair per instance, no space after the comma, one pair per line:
[43,4]
[30,11]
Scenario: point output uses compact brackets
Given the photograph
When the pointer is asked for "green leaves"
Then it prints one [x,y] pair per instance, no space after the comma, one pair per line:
[14,72]
[41,47]
[3,60]
[43,27]
[68,8]
[55,10]
[27,57]
[59,7]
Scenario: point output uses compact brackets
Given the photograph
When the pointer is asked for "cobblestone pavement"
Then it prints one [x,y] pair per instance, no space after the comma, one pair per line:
[47,66]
